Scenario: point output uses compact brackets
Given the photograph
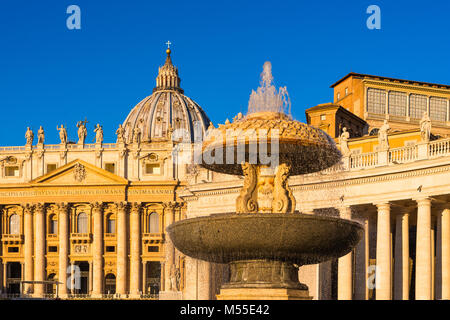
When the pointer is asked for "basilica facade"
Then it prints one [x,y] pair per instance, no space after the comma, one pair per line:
[88,220]
[82,220]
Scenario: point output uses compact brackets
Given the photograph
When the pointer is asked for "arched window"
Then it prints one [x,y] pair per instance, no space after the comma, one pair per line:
[110,283]
[14,224]
[53,224]
[82,223]
[110,224]
[153,222]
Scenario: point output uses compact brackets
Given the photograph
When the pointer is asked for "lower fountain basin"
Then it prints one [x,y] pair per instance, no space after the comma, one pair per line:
[295,238]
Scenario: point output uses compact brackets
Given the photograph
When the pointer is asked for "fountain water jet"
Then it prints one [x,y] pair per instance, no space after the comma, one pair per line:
[266,240]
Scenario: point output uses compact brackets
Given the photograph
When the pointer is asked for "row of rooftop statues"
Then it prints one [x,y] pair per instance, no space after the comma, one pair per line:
[82,134]
[383,138]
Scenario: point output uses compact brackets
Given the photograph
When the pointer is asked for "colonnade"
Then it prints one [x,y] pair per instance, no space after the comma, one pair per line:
[392,271]
[130,267]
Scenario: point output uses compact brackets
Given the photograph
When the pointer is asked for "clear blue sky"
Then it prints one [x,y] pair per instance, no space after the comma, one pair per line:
[51,75]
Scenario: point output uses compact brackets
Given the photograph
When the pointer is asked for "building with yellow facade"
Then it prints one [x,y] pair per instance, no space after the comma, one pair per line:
[91,217]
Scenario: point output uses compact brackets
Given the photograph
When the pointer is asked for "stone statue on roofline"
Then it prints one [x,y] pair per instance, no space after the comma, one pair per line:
[383,140]
[29,135]
[41,135]
[425,127]
[98,134]
[62,134]
[343,142]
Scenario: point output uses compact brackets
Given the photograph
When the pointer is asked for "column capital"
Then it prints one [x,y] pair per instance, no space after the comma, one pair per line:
[423,201]
[97,206]
[383,205]
[63,206]
[136,207]
[172,205]
[345,212]
[39,207]
[28,208]
[122,205]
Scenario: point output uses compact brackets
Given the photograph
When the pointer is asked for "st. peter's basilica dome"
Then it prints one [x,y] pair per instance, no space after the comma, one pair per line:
[165,110]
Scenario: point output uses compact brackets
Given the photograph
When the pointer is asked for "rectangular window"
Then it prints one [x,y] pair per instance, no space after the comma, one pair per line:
[338,96]
[438,109]
[346,91]
[12,171]
[153,249]
[110,167]
[417,105]
[152,168]
[323,117]
[51,167]
[13,249]
[397,103]
[54,227]
[111,227]
[52,249]
[376,101]
[110,249]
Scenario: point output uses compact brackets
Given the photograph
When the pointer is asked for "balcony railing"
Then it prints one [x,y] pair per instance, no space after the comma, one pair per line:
[364,160]
[439,148]
[403,154]
[81,237]
[12,238]
[153,237]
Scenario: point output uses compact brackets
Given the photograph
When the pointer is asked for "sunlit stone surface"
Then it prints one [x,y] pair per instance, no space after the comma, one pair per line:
[265,240]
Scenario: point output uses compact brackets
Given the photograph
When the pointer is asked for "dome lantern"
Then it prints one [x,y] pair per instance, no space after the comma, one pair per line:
[168,78]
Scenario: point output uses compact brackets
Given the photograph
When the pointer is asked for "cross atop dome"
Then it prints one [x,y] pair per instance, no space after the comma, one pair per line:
[168,78]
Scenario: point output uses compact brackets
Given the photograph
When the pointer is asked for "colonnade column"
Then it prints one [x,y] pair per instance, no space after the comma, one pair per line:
[383,285]
[39,251]
[63,223]
[169,265]
[121,248]
[97,274]
[135,248]
[423,250]
[445,253]
[28,248]
[345,270]
[401,273]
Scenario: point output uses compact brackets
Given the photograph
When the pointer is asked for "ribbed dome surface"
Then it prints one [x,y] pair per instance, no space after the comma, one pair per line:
[155,113]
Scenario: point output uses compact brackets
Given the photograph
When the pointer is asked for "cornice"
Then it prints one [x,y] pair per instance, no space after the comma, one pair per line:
[407,86]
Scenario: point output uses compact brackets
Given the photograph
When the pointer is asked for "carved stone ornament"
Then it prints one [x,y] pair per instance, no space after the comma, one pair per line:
[247,200]
[79,172]
[283,198]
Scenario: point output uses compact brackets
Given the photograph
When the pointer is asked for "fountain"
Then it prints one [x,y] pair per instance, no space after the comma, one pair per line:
[265,241]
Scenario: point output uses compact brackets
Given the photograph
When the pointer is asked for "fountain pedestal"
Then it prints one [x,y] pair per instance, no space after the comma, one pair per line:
[262,279]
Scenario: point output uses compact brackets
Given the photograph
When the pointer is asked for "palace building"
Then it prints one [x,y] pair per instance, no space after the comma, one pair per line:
[92,216]
[83,220]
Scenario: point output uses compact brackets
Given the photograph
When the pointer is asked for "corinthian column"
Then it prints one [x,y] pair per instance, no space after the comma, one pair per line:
[63,223]
[135,245]
[445,247]
[97,285]
[169,265]
[121,248]
[28,248]
[384,253]
[345,279]
[423,250]
[39,251]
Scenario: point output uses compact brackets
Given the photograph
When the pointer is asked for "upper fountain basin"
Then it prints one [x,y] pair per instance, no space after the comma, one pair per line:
[296,238]
[305,148]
